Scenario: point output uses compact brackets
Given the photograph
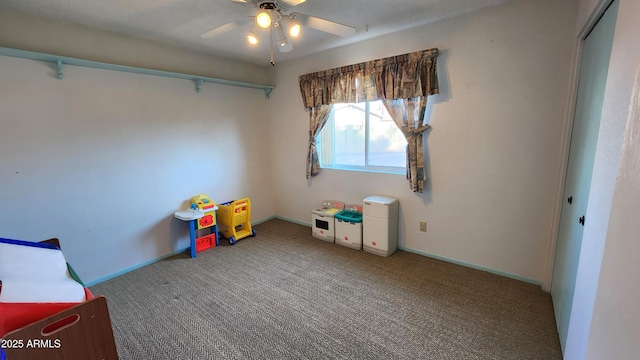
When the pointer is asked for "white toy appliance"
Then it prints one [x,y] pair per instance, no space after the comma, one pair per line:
[380,225]
[323,222]
[349,227]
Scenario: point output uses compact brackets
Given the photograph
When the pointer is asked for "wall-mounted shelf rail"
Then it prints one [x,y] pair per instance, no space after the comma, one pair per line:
[59,61]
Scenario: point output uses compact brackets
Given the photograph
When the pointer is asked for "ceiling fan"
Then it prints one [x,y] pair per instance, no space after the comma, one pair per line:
[274,16]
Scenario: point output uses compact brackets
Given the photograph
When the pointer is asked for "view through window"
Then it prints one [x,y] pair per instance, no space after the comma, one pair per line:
[362,136]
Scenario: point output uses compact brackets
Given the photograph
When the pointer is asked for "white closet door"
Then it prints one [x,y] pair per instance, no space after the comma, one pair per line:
[588,111]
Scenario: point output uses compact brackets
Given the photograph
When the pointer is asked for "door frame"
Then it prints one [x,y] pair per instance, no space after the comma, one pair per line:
[576,66]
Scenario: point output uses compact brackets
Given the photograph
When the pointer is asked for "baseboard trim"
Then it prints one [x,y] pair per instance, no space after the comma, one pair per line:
[284,218]
[291,220]
[256,222]
[151,261]
[472,266]
[437,257]
[131,268]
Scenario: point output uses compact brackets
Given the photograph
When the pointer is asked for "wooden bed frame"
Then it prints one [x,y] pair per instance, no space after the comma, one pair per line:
[80,332]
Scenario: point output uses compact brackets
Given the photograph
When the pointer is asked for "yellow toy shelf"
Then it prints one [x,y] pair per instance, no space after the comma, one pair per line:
[234,218]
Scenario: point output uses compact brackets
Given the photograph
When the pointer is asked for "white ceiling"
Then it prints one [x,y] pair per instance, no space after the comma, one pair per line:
[180,22]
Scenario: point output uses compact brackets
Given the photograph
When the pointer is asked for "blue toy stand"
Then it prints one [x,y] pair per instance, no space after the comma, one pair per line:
[200,220]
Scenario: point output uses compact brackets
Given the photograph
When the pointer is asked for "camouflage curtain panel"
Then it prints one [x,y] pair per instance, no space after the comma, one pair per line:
[408,114]
[318,116]
[409,76]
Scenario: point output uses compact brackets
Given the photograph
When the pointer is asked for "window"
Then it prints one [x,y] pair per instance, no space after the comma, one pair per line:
[362,137]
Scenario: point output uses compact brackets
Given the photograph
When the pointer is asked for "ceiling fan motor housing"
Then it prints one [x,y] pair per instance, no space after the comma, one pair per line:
[266,5]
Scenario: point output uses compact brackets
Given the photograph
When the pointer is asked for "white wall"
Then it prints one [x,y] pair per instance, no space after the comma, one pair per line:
[616,317]
[495,150]
[102,159]
[615,327]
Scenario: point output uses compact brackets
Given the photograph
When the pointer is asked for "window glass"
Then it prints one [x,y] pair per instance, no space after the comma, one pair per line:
[387,145]
[349,135]
[362,136]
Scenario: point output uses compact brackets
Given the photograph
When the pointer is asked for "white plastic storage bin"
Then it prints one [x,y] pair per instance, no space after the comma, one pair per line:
[349,229]
[380,225]
[323,222]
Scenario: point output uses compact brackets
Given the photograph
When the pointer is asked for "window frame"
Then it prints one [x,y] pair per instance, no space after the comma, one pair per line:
[322,150]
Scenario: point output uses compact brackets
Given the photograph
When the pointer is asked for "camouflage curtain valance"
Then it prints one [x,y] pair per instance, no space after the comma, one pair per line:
[397,77]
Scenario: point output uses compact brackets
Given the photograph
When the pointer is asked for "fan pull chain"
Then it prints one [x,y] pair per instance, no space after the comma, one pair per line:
[273,63]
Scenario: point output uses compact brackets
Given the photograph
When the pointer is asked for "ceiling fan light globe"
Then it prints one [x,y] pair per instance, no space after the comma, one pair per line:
[284,48]
[263,19]
[282,42]
[294,30]
[252,38]
[281,38]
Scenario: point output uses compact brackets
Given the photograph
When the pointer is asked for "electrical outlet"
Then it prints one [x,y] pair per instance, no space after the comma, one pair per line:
[423,226]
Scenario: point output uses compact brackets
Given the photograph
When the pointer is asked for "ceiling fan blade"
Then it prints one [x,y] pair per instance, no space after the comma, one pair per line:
[324,25]
[290,3]
[225,28]
[245,3]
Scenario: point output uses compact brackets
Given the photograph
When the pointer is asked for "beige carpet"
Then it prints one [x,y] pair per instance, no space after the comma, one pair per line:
[285,295]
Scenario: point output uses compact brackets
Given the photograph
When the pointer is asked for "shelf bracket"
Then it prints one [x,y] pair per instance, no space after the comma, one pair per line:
[198,84]
[59,69]
[267,92]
